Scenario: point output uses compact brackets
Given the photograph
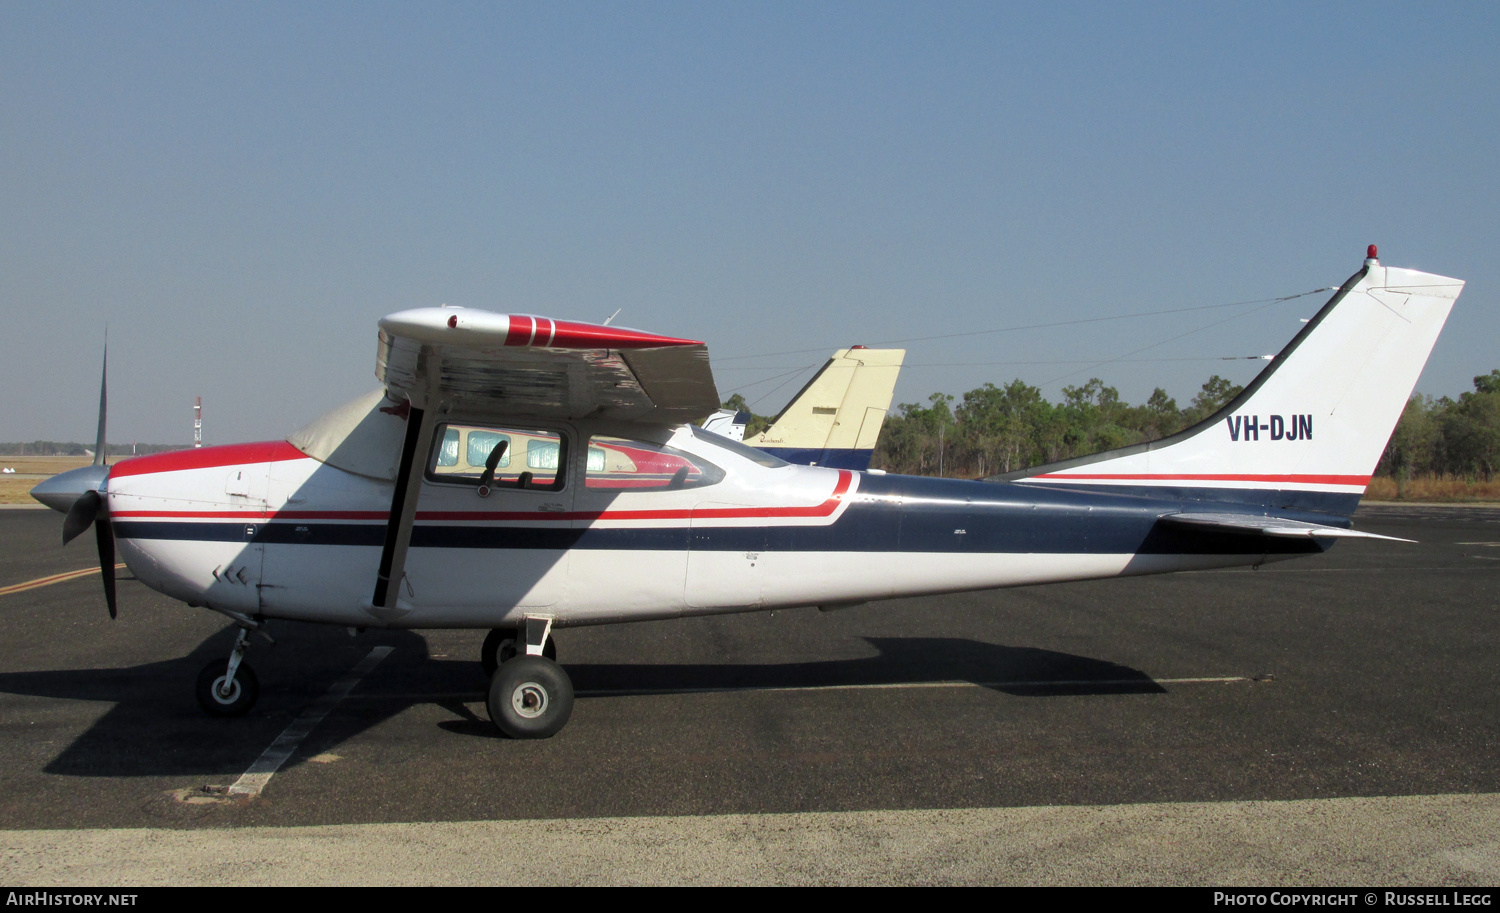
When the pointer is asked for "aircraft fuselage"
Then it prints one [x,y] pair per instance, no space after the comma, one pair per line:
[264,530]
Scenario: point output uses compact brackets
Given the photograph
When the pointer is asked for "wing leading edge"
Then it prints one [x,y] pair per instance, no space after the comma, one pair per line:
[537,366]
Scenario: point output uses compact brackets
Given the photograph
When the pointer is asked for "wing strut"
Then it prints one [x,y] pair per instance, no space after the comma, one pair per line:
[384,604]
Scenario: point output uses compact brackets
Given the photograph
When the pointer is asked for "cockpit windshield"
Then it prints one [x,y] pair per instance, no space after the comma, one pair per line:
[362,436]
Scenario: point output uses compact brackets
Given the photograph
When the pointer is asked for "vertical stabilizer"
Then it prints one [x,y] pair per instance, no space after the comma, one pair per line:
[1310,429]
[836,418]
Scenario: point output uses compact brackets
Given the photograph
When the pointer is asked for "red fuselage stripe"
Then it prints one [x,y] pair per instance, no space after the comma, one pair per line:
[380,515]
[825,509]
[207,458]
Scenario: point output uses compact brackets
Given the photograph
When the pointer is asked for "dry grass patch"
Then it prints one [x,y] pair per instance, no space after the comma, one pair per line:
[44,465]
[1436,488]
[17,491]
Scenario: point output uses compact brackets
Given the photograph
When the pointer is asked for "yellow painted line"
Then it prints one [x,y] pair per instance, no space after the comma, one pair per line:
[48,581]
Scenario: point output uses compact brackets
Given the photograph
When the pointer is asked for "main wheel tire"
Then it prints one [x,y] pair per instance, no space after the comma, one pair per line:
[490,656]
[242,694]
[530,698]
[500,647]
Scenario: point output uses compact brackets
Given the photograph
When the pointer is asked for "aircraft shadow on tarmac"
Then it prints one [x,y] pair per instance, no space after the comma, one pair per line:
[154,727]
[1020,671]
[901,660]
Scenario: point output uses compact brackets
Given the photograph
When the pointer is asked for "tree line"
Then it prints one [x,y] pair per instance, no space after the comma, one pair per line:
[992,430]
[1448,437]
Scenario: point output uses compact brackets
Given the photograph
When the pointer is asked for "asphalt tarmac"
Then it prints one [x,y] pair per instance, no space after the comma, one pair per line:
[1304,698]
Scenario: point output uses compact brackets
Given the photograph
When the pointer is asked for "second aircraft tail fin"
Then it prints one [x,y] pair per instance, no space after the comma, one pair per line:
[836,417]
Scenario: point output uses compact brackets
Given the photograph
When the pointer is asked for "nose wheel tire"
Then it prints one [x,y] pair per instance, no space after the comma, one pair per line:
[500,647]
[531,697]
[236,699]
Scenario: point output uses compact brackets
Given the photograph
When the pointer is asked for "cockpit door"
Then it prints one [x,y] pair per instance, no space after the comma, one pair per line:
[494,523]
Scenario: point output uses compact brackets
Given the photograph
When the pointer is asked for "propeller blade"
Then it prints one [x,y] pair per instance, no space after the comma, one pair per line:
[99,444]
[81,515]
[105,535]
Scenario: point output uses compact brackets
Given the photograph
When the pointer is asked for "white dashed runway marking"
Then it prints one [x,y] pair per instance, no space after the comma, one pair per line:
[255,779]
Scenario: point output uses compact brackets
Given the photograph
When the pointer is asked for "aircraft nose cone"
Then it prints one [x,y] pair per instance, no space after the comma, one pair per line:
[60,491]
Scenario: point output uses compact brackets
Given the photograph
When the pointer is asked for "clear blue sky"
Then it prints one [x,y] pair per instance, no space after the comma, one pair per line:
[241,190]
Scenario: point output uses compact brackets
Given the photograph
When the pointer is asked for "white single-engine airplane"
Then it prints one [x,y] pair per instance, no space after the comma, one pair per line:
[522,474]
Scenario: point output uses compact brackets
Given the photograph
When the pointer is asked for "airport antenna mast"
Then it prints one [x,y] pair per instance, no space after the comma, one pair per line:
[197,421]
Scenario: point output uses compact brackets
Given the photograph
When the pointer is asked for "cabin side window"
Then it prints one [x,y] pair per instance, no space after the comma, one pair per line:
[620,464]
[521,458]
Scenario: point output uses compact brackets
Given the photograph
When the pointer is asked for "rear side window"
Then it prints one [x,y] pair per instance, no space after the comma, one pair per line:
[543,455]
[523,458]
[621,464]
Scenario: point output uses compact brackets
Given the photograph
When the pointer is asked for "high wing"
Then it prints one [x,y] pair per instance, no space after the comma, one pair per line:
[478,362]
[559,369]
[1268,526]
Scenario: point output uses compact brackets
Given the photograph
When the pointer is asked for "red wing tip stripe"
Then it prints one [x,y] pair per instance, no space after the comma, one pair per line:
[567,334]
[1211,477]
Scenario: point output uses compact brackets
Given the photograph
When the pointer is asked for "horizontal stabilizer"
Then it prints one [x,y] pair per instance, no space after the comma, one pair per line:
[1269,526]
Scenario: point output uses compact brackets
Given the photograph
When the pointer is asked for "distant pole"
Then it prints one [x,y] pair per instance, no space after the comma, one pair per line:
[197,421]
[941,425]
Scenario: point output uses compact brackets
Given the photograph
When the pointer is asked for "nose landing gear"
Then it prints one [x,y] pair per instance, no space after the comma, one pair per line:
[219,694]
[230,689]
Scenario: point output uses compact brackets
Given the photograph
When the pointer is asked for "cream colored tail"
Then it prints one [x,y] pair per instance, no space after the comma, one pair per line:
[836,418]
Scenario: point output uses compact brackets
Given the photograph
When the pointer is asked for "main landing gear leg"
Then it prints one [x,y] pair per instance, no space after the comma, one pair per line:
[229,689]
[530,697]
[500,647]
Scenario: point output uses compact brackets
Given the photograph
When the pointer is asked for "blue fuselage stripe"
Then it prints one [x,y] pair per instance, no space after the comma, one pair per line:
[889,514]
[827,457]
